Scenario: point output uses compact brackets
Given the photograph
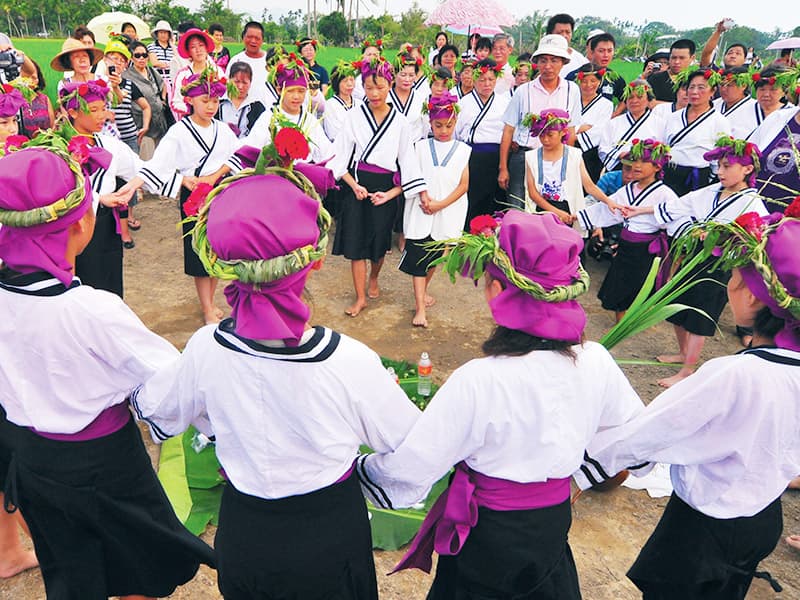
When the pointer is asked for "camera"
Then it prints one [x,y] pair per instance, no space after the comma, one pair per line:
[10,63]
[112,69]
[655,66]
[601,250]
[728,24]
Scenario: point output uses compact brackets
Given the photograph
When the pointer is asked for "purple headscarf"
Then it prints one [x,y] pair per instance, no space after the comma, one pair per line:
[747,154]
[550,119]
[293,73]
[263,217]
[90,91]
[199,84]
[10,102]
[545,251]
[377,67]
[320,176]
[33,178]
[781,249]
[442,107]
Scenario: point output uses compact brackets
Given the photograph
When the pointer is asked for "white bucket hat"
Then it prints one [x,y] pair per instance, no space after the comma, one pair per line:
[553,45]
[162,26]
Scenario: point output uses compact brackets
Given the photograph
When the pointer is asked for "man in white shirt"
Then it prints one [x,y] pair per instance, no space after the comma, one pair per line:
[253,55]
[548,90]
[502,47]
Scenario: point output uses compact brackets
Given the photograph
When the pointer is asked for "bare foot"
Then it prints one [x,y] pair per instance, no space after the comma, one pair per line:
[355,308]
[794,484]
[15,565]
[670,358]
[373,291]
[218,312]
[420,319]
[212,315]
[429,301]
[794,541]
[680,375]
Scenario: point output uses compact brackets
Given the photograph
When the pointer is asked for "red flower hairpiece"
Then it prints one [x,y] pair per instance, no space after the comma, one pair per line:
[83,89]
[793,210]
[756,76]
[291,144]
[8,88]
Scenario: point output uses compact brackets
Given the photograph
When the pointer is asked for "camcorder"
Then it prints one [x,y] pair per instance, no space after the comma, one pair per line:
[10,64]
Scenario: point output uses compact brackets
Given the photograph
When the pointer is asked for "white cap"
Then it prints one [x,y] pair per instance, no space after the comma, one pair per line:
[162,26]
[553,45]
[594,33]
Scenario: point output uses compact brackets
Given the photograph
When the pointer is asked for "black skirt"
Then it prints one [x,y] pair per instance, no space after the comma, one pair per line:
[485,196]
[5,448]
[416,259]
[512,554]
[683,180]
[315,545]
[191,263]
[691,556]
[625,276]
[100,522]
[100,264]
[708,296]
[364,231]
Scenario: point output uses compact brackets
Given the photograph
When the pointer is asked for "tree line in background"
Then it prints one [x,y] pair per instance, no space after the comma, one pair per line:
[344,27]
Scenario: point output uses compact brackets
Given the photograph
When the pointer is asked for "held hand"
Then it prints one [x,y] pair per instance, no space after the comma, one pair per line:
[114,199]
[598,233]
[122,195]
[209,179]
[502,178]
[630,211]
[142,132]
[378,198]
[360,192]
[114,79]
[565,217]
[190,182]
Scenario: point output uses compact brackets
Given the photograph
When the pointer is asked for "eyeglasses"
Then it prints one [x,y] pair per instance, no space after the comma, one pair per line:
[697,88]
[140,56]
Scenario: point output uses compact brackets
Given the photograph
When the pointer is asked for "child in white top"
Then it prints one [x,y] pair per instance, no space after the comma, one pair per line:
[439,216]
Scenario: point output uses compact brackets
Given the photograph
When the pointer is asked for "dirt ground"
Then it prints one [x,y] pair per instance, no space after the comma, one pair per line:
[608,529]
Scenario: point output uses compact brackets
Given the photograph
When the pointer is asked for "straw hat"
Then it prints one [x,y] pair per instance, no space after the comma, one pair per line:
[72,45]
[553,45]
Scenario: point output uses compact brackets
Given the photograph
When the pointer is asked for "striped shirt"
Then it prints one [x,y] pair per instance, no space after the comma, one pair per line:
[122,111]
[163,55]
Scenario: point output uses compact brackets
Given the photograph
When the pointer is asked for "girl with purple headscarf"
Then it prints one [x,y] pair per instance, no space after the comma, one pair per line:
[738,162]
[290,403]
[515,423]
[729,431]
[70,356]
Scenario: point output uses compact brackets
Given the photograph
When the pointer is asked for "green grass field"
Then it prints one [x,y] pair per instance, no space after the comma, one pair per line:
[43,51]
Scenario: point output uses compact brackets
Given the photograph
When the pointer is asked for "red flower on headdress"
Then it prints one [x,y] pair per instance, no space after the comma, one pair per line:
[752,223]
[197,199]
[357,64]
[291,144]
[223,80]
[280,68]
[78,147]
[14,142]
[635,141]
[101,83]
[708,73]
[483,225]
[83,89]
[7,88]
[580,75]
[756,76]
[601,72]
[793,210]
[379,43]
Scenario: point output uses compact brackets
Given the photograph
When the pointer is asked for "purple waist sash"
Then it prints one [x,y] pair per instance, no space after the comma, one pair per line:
[107,422]
[368,168]
[447,525]
[658,246]
[485,147]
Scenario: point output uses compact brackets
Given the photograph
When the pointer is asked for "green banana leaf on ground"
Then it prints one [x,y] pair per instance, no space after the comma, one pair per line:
[193,481]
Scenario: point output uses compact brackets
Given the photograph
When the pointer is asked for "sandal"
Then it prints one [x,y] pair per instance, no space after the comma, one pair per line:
[134,224]
[129,245]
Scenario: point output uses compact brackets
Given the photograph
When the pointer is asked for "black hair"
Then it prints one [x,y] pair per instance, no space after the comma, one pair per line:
[588,68]
[766,324]
[446,48]
[738,45]
[525,57]
[734,71]
[446,39]
[442,73]
[487,62]
[126,24]
[304,42]
[186,26]
[40,85]
[601,37]
[484,42]
[241,67]
[214,27]
[512,342]
[336,80]
[252,25]
[81,31]
[683,43]
[135,44]
[771,71]
[699,73]
[562,18]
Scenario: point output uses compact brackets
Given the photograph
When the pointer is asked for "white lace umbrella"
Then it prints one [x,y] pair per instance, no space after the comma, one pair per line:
[111,22]
[470,13]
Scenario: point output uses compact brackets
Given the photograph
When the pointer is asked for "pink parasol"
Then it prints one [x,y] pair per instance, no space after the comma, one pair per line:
[791,43]
[467,13]
[461,29]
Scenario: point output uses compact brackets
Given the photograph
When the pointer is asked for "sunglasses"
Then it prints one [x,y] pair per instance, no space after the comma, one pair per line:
[140,56]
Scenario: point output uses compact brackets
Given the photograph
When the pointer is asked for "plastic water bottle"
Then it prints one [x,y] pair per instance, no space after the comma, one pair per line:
[393,374]
[424,370]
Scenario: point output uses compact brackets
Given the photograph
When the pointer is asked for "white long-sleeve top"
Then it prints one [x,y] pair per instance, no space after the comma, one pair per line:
[66,355]
[731,433]
[743,115]
[613,137]
[386,145]
[335,112]
[481,123]
[287,420]
[689,141]
[320,147]
[599,215]
[525,419]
